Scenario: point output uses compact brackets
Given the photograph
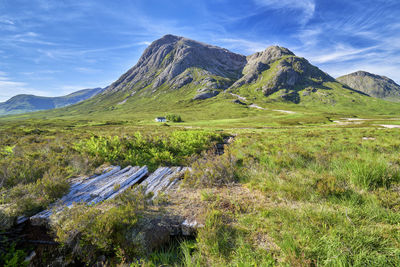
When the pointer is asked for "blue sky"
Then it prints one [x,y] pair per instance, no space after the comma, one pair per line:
[55,47]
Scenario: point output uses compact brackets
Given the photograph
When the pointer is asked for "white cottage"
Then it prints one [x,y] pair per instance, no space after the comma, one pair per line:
[161,119]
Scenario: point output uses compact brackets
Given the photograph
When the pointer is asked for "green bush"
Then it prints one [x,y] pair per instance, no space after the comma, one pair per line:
[173,149]
[13,257]
[88,232]
[174,118]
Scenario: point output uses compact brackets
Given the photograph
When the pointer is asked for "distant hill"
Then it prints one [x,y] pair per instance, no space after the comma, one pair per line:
[373,85]
[29,103]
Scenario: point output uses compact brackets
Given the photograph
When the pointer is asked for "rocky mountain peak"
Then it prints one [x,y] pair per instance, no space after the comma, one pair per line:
[173,62]
[168,59]
[372,84]
[270,54]
[362,73]
[259,61]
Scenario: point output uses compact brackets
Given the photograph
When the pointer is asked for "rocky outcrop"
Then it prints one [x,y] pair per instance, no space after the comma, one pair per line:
[237,101]
[172,56]
[292,72]
[205,93]
[288,72]
[259,62]
[372,84]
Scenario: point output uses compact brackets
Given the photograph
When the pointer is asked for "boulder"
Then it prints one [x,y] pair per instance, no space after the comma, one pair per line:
[190,227]
[148,235]
[237,101]
[205,95]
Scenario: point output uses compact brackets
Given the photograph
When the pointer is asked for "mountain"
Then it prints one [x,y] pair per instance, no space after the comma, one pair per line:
[183,76]
[200,71]
[372,84]
[176,62]
[285,73]
[29,103]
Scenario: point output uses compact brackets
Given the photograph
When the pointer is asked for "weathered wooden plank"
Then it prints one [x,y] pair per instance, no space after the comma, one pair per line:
[163,179]
[111,183]
[155,178]
[123,182]
[84,194]
[130,182]
[169,180]
[85,184]
[94,189]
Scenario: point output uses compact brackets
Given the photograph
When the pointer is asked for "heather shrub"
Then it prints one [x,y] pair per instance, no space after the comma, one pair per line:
[212,170]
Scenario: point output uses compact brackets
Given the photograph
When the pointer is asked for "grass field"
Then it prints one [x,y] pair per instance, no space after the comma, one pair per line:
[309,188]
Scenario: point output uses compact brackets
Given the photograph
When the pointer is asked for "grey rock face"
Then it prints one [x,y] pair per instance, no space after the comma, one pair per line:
[182,80]
[259,62]
[295,72]
[170,56]
[237,101]
[372,84]
[206,94]
[175,62]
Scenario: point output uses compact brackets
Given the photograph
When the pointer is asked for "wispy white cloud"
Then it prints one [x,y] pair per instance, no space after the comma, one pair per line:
[5,20]
[24,37]
[87,70]
[72,53]
[353,40]
[10,88]
[243,45]
[340,52]
[306,6]
[144,43]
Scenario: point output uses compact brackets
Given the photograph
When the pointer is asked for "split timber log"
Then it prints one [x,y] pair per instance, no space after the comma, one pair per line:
[111,183]
[94,189]
[163,179]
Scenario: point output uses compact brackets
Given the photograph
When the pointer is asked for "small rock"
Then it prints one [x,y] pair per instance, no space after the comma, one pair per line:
[206,95]
[30,257]
[189,227]
[149,235]
[237,101]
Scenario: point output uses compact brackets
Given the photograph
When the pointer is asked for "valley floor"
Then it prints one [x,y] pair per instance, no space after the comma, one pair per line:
[311,194]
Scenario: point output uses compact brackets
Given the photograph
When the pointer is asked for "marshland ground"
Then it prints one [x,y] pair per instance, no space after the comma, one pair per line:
[303,188]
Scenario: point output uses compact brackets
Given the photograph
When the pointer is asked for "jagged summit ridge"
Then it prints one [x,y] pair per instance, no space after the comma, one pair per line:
[204,71]
[259,60]
[169,57]
[290,72]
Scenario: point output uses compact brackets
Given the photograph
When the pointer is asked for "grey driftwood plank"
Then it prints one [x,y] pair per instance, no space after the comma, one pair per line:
[94,189]
[110,184]
[123,182]
[163,179]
